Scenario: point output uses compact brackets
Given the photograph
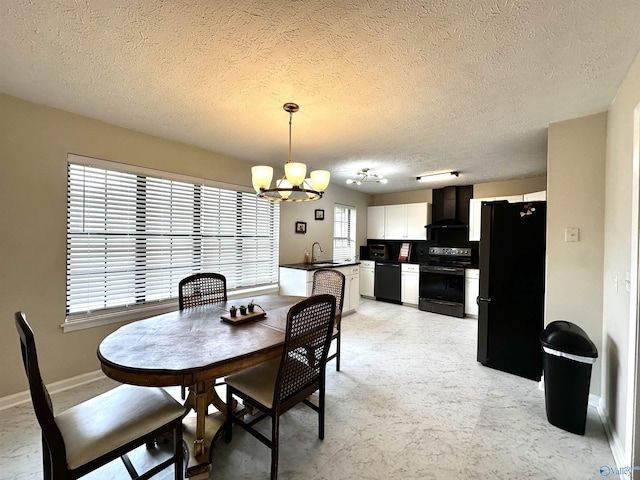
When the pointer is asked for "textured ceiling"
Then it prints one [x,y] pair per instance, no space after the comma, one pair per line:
[402,87]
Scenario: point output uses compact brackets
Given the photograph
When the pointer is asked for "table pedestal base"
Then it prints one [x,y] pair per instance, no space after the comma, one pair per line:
[199,467]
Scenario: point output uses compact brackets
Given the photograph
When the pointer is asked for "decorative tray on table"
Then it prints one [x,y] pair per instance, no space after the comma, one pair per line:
[242,318]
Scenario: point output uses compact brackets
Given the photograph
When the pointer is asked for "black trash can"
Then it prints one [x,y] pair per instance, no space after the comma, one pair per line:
[567,360]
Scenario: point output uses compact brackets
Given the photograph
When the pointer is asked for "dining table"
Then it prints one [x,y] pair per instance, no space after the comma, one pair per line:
[193,348]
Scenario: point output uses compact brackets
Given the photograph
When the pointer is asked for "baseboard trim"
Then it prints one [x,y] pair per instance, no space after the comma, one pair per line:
[61,386]
[614,441]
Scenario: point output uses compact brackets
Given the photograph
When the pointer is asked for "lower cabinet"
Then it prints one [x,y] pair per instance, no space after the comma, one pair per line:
[410,283]
[367,278]
[471,291]
[295,281]
[351,287]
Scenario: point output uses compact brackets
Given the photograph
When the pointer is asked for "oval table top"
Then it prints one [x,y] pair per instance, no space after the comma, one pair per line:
[194,345]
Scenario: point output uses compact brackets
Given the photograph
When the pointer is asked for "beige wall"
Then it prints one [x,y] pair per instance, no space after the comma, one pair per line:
[480,190]
[34,142]
[415,196]
[618,355]
[509,187]
[575,198]
[293,245]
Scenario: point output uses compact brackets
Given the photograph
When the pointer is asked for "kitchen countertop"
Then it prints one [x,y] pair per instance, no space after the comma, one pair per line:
[317,265]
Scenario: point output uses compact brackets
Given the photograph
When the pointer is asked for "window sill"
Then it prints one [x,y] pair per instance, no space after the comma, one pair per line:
[91,320]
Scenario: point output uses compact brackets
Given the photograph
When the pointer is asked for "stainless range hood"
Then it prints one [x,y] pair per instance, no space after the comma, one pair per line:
[450,207]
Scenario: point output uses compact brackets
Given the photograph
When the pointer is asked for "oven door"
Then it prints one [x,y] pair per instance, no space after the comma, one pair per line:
[442,290]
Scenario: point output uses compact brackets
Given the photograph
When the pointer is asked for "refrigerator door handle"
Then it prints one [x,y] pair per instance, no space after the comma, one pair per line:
[482,299]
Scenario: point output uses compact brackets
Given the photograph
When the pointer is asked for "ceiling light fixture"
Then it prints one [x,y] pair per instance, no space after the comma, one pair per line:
[434,177]
[365,175]
[293,186]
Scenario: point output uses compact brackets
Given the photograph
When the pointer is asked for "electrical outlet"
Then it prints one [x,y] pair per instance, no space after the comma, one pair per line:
[571,234]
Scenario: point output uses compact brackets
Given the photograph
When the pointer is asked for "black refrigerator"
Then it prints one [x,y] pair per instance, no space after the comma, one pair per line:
[512,279]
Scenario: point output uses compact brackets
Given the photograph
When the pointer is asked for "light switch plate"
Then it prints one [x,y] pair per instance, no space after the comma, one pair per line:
[571,234]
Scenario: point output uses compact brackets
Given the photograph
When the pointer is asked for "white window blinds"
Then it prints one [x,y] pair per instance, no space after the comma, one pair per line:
[344,233]
[132,237]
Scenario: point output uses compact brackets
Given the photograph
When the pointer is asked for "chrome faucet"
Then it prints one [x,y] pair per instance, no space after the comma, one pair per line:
[313,251]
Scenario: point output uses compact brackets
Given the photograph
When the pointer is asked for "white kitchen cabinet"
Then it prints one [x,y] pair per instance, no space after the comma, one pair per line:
[535,196]
[398,222]
[296,281]
[375,222]
[511,198]
[354,287]
[409,283]
[367,278]
[351,287]
[475,205]
[395,224]
[417,215]
[471,291]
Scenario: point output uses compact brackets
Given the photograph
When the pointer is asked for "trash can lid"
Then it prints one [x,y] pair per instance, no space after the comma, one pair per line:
[568,337]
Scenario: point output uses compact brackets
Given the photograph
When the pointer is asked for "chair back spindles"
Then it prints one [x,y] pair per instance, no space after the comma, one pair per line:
[332,282]
[202,289]
[308,335]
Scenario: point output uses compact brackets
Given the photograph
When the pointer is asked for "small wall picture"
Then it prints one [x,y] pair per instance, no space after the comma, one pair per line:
[301,227]
[319,214]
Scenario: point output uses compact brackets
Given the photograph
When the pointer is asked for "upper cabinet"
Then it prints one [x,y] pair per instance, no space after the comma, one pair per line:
[535,196]
[375,222]
[398,222]
[474,218]
[476,203]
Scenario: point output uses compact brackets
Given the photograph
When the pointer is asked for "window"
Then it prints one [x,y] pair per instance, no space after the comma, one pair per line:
[133,235]
[344,233]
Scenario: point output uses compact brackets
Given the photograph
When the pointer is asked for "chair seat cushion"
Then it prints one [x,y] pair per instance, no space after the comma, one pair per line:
[108,421]
[258,382]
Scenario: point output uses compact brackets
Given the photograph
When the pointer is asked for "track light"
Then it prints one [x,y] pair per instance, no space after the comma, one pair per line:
[434,177]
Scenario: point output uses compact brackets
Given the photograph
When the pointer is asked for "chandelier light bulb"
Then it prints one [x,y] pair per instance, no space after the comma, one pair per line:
[295,173]
[320,179]
[261,176]
[284,183]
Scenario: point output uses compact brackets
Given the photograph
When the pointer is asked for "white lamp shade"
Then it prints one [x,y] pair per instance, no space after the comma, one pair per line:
[283,183]
[295,173]
[261,176]
[320,179]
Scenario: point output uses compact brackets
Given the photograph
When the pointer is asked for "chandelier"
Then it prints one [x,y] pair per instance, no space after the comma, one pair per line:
[365,175]
[293,186]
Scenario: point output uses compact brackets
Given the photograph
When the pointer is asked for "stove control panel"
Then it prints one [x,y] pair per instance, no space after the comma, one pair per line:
[450,251]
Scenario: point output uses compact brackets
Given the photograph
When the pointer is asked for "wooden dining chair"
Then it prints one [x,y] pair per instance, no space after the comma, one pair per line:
[332,282]
[98,431]
[277,385]
[202,289]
